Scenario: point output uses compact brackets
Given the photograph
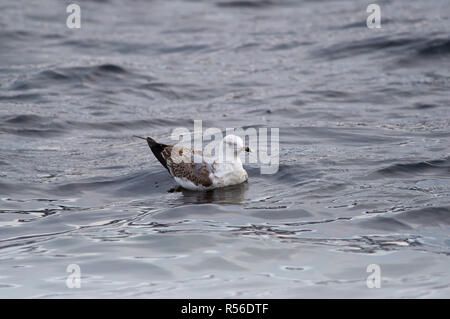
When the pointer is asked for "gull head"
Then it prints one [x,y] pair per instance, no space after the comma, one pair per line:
[234,143]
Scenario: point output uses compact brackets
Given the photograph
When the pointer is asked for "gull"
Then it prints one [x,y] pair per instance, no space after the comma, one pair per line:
[197,170]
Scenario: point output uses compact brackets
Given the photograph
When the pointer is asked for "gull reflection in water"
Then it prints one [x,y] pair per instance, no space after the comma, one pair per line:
[234,195]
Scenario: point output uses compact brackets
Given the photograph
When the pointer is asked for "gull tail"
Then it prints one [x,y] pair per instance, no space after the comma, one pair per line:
[157,149]
[149,140]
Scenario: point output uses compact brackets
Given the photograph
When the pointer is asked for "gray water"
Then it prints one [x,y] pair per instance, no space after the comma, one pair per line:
[364,175]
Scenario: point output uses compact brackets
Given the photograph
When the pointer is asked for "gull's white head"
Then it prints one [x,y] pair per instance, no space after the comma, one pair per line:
[234,143]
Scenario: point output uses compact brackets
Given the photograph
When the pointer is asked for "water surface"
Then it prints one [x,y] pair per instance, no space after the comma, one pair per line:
[364,175]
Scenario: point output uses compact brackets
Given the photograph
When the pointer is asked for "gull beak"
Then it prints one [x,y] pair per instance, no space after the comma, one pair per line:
[247,149]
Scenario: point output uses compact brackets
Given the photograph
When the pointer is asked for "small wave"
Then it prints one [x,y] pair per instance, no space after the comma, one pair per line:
[434,47]
[183,49]
[424,217]
[245,4]
[388,224]
[31,125]
[39,126]
[185,91]
[122,125]
[54,75]
[329,93]
[429,216]
[414,49]
[437,167]
[289,174]
[21,97]
[43,133]
[288,45]
[129,185]
[367,46]
[425,50]
[110,68]
[280,214]
[71,75]
[24,119]
[424,106]
[15,35]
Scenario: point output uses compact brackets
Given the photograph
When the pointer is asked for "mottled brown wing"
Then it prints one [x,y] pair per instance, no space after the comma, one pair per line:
[185,163]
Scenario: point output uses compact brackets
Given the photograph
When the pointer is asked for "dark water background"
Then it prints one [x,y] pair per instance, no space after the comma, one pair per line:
[364,172]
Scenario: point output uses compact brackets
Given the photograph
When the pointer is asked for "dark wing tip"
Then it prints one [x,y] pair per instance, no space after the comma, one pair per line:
[151,142]
[157,149]
[148,139]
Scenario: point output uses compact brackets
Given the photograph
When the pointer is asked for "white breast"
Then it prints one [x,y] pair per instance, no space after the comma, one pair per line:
[229,174]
